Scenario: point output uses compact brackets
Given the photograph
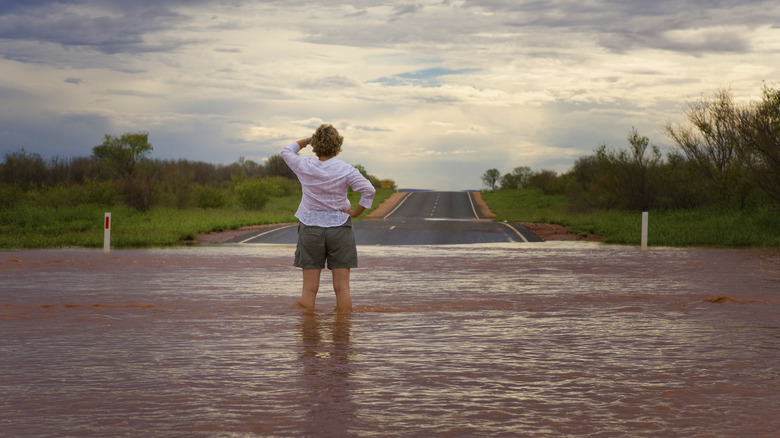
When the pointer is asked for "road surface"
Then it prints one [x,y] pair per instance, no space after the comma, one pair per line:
[420,218]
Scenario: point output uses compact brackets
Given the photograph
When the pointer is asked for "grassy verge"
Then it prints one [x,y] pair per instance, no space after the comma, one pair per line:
[32,226]
[699,227]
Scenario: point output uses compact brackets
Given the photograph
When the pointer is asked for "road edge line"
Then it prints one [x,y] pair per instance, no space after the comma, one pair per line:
[473,210]
[397,206]
[263,234]
[515,230]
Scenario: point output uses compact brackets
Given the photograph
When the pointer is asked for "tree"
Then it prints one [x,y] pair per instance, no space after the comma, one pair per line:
[548,181]
[760,130]
[490,178]
[712,142]
[631,174]
[23,169]
[519,176]
[123,153]
[276,166]
[371,178]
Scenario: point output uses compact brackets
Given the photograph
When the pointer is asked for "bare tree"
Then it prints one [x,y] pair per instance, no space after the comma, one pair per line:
[712,142]
[760,132]
[490,178]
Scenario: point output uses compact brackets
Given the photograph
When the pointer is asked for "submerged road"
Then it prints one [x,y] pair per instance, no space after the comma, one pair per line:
[420,218]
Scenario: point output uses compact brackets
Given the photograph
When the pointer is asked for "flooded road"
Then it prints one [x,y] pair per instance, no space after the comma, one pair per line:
[543,339]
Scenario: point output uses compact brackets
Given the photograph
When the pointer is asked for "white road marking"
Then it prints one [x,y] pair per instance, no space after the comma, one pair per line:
[472,205]
[517,232]
[399,205]
[443,219]
[267,232]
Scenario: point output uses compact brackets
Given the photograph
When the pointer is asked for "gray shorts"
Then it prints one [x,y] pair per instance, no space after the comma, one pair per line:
[316,245]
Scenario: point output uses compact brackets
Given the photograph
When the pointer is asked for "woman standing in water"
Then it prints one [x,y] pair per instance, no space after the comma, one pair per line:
[325,232]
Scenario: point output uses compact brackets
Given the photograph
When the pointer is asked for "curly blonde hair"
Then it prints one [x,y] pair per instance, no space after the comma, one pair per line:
[326,141]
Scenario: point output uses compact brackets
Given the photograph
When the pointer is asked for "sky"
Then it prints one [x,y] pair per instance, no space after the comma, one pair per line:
[429,93]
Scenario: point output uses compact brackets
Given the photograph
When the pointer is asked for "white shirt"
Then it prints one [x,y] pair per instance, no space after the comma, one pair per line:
[324,185]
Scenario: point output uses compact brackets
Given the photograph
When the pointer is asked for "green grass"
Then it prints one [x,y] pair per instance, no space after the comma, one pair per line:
[680,228]
[35,226]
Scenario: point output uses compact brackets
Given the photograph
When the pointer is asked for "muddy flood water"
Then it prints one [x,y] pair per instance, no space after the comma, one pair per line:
[547,339]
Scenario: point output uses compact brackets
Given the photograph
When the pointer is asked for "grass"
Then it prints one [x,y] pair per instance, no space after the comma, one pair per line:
[680,228]
[36,226]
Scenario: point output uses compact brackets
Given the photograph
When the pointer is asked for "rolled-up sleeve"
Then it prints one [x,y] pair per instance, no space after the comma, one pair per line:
[360,184]
[290,155]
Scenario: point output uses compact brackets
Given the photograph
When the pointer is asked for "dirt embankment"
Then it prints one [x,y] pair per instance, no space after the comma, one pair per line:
[545,231]
[387,206]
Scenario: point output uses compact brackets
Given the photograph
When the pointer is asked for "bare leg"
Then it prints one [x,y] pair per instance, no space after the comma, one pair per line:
[341,287]
[311,284]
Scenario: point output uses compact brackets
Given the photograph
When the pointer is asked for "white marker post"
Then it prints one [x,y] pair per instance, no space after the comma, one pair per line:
[107,234]
[644,231]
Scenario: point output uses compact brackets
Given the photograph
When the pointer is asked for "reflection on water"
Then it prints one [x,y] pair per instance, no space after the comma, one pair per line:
[326,371]
[492,340]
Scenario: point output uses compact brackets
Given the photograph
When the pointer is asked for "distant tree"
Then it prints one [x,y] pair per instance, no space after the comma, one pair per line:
[490,178]
[376,182]
[519,176]
[548,181]
[631,174]
[712,142]
[276,166]
[23,169]
[122,154]
[760,130]
[141,188]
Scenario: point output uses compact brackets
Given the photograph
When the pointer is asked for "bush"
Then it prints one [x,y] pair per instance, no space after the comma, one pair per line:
[548,181]
[284,186]
[98,192]
[253,194]
[10,196]
[209,197]
[24,169]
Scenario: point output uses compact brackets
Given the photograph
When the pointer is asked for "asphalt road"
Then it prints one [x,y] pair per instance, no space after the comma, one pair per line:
[421,218]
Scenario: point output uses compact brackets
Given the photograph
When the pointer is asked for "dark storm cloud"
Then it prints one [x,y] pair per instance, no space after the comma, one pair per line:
[108,27]
[622,25]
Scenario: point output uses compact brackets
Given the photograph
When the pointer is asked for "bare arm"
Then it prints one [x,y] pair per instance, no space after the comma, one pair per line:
[355,212]
[360,184]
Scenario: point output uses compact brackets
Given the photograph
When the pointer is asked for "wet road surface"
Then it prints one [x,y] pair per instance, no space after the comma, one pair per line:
[420,218]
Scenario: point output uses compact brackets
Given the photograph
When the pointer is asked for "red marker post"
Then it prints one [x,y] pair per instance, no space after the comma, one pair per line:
[107,234]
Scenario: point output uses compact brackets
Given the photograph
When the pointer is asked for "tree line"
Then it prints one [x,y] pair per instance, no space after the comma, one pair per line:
[726,155]
[120,170]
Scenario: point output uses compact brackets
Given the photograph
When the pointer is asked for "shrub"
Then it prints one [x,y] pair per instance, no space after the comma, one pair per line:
[10,196]
[253,194]
[209,197]
[284,186]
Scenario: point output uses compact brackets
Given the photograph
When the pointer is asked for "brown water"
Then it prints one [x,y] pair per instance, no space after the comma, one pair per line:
[547,339]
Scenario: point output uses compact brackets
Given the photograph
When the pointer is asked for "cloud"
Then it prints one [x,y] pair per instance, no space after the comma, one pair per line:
[100,29]
[427,92]
[405,9]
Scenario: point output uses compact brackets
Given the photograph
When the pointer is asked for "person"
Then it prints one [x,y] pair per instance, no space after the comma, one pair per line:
[325,231]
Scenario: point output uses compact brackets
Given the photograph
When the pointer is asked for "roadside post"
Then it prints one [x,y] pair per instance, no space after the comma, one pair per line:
[107,234]
[644,231]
